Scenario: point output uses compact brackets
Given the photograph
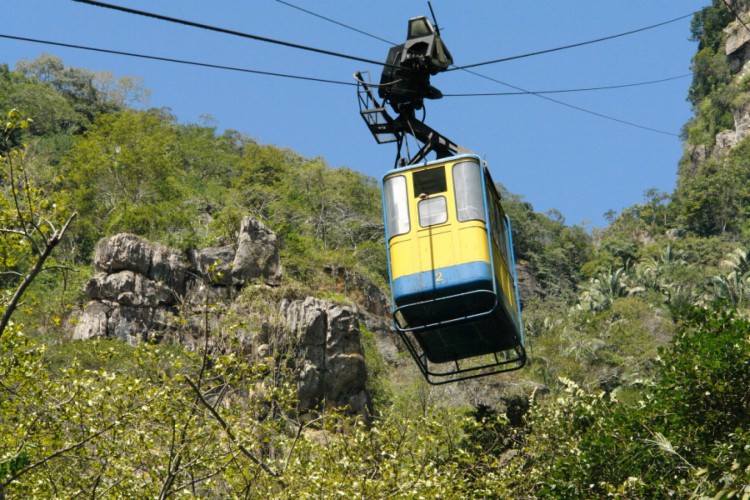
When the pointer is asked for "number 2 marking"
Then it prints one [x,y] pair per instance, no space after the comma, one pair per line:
[438,276]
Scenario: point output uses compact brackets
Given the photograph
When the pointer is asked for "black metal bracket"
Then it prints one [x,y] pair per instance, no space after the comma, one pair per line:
[497,362]
[399,311]
[388,129]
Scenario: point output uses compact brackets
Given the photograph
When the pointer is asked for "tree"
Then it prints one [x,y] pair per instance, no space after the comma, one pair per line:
[90,93]
[554,251]
[684,436]
[714,200]
[125,175]
[30,226]
[710,69]
[708,24]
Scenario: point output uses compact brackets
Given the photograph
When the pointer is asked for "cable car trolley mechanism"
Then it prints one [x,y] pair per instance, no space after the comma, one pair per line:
[450,253]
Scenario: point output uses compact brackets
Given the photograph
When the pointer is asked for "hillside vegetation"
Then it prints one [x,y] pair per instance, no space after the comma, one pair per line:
[638,383]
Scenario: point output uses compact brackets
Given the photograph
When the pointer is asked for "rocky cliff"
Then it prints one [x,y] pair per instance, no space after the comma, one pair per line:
[737,51]
[143,291]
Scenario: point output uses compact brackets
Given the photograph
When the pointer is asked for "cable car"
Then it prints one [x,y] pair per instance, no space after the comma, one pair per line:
[450,250]
[452,270]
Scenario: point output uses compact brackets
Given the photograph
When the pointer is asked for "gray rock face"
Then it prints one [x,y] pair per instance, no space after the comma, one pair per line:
[93,322]
[123,252]
[104,319]
[137,324]
[332,359]
[169,267]
[725,140]
[140,285]
[134,292]
[528,286]
[372,298]
[130,289]
[737,49]
[214,264]
[128,252]
[257,254]
[741,116]
[737,38]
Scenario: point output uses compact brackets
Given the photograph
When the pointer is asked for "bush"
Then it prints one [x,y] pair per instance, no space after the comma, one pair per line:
[686,435]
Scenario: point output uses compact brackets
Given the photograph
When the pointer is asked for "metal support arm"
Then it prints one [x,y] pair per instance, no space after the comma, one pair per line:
[387,129]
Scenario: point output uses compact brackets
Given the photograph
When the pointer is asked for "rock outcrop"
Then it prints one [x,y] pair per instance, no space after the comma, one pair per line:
[737,49]
[136,286]
[143,291]
[360,289]
[139,284]
[254,256]
[528,286]
[257,254]
[332,363]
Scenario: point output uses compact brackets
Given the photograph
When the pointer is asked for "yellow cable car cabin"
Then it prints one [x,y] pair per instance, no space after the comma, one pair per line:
[452,270]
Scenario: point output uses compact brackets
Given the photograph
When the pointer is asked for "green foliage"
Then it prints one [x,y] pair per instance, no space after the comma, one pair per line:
[100,417]
[710,78]
[554,251]
[604,288]
[89,93]
[612,347]
[705,381]
[31,225]
[377,371]
[670,443]
[124,176]
[403,457]
[141,172]
[621,243]
[708,24]
[714,200]
[64,101]
[711,93]
[710,69]
[732,284]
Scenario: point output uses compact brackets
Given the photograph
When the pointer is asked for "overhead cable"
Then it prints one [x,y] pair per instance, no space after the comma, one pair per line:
[571,106]
[361,32]
[309,78]
[227,31]
[527,92]
[568,91]
[178,61]
[572,45]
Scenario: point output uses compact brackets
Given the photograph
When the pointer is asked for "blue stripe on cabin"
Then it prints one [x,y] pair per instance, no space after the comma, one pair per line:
[441,282]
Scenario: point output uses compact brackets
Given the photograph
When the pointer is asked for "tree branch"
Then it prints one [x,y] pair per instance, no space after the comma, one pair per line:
[55,455]
[49,246]
[231,435]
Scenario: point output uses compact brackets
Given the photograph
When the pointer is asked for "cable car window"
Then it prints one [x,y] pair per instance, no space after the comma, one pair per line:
[432,211]
[499,228]
[429,181]
[467,183]
[396,205]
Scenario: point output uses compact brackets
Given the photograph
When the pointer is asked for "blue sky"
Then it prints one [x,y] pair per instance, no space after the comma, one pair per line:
[554,156]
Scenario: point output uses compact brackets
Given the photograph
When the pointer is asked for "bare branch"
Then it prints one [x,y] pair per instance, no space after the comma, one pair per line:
[300,428]
[56,454]
[50,245]
[231,435]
